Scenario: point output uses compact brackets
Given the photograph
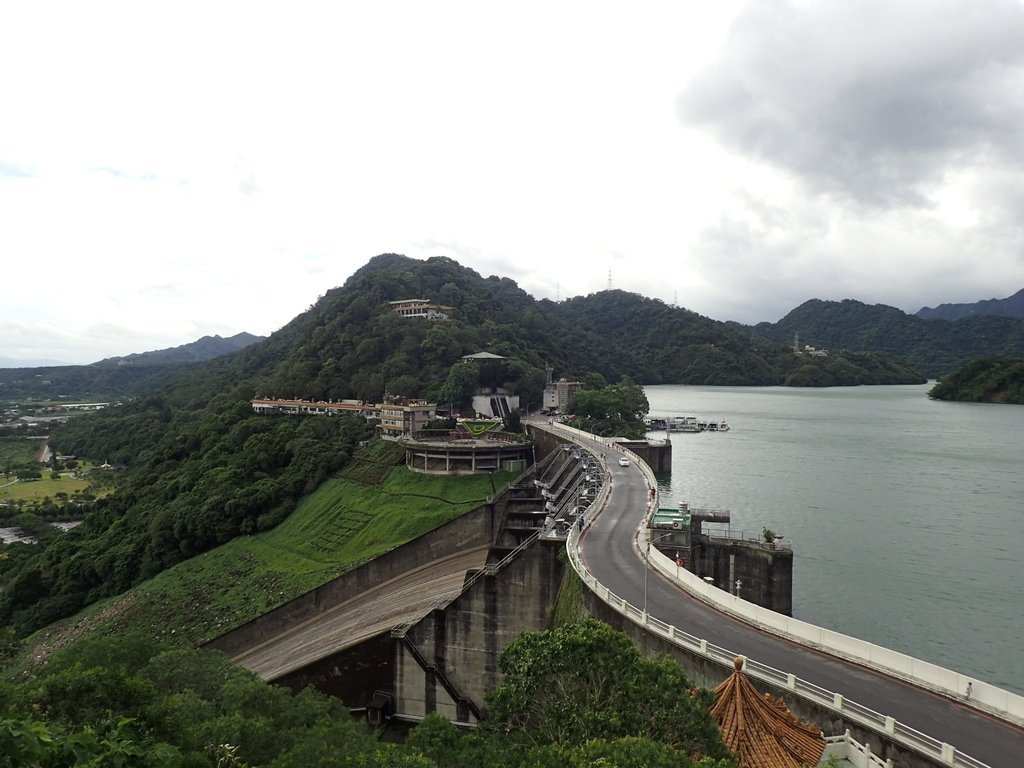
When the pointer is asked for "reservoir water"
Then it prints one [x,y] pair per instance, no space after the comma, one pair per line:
[906,514]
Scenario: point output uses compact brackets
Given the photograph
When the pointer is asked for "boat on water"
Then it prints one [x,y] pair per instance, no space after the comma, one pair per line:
[683,424]
[686,424]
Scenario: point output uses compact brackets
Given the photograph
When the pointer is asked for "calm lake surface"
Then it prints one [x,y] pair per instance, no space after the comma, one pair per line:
[906,515]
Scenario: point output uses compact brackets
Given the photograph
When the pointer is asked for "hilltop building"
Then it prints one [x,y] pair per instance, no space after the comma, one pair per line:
[421,308]
[491,402]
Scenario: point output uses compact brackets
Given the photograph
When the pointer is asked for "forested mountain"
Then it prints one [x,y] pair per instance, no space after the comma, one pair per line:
[930,346]
[991,380]
[202,468]
[86,383]
[206,348]
[1012,306]
[115,378]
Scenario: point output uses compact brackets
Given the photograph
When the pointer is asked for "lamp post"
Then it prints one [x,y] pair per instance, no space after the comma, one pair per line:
[647,563]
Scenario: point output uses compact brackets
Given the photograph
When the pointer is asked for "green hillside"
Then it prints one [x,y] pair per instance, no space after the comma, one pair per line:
[933,347]
[991,380]
[336,528]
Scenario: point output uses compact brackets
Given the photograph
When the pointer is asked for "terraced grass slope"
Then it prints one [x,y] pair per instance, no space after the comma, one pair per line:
[334,529]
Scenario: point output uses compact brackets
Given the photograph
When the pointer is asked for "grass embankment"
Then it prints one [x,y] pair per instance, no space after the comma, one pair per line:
[334,529]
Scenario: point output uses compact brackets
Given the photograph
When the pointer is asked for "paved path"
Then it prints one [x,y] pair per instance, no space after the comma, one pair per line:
[609,552]
[404,599]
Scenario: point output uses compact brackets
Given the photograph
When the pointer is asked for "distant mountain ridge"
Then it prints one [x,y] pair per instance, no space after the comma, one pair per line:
[206,348]
[1012,306]
[117,377]
[933,347]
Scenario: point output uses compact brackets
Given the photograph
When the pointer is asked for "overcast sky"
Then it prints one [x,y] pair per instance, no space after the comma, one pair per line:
[179,169]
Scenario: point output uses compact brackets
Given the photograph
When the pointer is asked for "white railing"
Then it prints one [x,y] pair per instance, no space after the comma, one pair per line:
[868,718]
[856,754]
[984,695]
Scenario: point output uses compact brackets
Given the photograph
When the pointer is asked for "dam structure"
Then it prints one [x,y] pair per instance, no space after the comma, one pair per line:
[419,629]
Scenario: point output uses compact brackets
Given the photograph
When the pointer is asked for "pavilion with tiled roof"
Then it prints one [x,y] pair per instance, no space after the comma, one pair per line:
[760,730]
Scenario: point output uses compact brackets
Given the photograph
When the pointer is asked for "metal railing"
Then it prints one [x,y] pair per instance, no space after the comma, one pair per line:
[779,544]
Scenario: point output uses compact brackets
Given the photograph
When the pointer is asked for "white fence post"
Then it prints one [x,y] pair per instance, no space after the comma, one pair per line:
[948,754]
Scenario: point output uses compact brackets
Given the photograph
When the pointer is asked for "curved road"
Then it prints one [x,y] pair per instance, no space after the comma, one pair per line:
[607,549]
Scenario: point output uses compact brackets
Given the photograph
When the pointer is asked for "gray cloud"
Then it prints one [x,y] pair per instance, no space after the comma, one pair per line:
[871,101]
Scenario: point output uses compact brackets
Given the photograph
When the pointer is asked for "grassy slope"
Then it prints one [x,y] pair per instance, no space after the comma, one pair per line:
[339,526]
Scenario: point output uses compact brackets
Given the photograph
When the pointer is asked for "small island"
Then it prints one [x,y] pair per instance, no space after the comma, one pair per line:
[989,380]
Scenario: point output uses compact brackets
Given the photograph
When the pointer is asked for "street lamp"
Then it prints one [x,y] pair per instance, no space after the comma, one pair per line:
[647,563]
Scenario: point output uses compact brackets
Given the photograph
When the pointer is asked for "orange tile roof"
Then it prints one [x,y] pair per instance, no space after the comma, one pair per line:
[760,730]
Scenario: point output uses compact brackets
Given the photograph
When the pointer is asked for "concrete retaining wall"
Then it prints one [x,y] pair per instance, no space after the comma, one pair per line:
[472,530]
[466,637]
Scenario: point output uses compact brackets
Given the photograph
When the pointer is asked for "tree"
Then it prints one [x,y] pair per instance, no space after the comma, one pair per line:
[586,681]
[462,382]
[616,409]
[513,422]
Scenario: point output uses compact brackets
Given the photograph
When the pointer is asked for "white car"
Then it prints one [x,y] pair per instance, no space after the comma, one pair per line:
[623,462]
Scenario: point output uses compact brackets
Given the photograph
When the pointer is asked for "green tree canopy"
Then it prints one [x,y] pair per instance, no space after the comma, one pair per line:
[990,380]
[586,681]
[617,409]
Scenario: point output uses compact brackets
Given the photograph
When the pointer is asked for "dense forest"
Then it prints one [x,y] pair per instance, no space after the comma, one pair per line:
[990,380]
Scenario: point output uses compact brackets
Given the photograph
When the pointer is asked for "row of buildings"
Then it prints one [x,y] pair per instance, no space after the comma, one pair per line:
[397,415]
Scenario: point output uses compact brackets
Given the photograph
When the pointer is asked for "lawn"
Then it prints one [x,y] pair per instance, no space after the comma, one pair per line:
[37,490]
